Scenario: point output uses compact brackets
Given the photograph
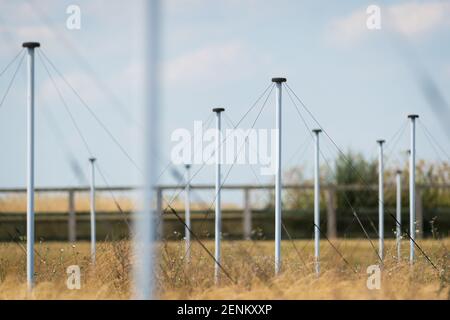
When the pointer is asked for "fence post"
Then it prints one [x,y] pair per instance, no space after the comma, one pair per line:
[159,217]
[247,215]
[331,213]
[72,224]
[419,212]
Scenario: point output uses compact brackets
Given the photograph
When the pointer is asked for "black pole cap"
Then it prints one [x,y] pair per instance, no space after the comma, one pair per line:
[31,45]
[279,80]
[218,110]
[92,159]
[413,116]
[381,141]
[187,166]
[317,130]
[399,171]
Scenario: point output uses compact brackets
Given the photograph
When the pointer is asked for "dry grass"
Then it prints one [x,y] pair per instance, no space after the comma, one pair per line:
[250,264]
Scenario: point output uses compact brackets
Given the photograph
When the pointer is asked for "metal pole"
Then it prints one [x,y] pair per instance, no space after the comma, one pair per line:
[247,215]
[316,202]
[380,200]
[144,222]
[218,221]
[72,232]
[92,207]
[278,82]
[412,188]
[187,204]
[399,212]
[30,163]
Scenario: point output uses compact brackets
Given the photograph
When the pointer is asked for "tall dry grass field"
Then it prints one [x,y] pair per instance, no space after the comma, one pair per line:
[249,264]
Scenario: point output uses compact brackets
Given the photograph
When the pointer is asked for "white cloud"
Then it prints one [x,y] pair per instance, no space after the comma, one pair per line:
[348,29]
[411,19]
[214,62]
[415,19]
[82,83]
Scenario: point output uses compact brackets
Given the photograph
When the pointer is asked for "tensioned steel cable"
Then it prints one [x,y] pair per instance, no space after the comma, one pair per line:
[391,147]
[428,132]
[329,166]
[362,179]
[367,185]
[107,91]
[104,178]
[86,145]
[80,133]
[435,150]
[259,182]
[224,140]
[12,80]
[220,145]
[93,114]
[11,62]
[85,142]
[59,135]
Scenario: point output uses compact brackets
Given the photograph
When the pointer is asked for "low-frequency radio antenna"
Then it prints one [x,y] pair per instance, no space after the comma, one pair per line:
[30,162]
[316,201]
[412,187]
[218,217]
[380,199]
[278,118]
[187,213]
[92,209]
[398,232]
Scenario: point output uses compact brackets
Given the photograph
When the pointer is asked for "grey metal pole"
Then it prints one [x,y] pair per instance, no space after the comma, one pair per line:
[187,211]
[30,162]
[412,188]
[278,118]
[72,232]
[381,200]
[398,179]
[218,217]
[316,202]
[144,222]
[92,209]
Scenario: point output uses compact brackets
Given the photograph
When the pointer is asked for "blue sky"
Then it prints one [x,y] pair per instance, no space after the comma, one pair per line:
[359,84]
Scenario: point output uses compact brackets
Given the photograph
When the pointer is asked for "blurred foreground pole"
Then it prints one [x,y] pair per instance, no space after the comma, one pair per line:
[398,232]
[144,222]
[412,188]
[30,162]
[92,208]
[187,213]
[381,200]
[316,202]
[218,218]
[278,118]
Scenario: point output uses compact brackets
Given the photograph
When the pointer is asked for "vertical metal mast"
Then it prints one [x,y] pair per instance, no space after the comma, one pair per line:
[187,210]
[278,118]
[30,162]
[316,202]
[92,208]
[412,188]
[218,220]
[381,200]
[398,179]
[144,218]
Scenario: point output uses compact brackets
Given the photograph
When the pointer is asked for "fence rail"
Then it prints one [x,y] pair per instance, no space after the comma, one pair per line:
[243,218]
